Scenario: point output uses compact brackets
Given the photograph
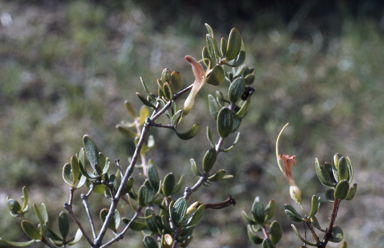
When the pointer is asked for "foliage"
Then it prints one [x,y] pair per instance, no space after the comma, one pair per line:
[157,212]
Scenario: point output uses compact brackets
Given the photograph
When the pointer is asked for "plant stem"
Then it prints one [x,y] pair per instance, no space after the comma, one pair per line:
[47,243]
[85,203]
[328,233]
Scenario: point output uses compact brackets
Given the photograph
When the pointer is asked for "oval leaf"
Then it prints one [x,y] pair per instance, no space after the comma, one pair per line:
[253,237]
[258,212]
[234,44]
[149,242]
[209,160]
[341,190]
[236,89]
[91,151]
[216,75]
[275,232]
[168,184]
[224,122]
[178,210]
[63,224]
[30,230]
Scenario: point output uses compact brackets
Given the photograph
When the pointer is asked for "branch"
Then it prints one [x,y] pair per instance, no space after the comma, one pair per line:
[131,167]
[85,203]
[47,243]
[120,235]
[70,212]
[328,234]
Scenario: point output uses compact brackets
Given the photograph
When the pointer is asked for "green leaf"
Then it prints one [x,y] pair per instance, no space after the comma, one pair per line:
[75,167]
[342,169]
[344,245]
[25,198]
[129,186]
[189,134]
[52,235]
[247,219]
[176,117]
[77,238]
[166,75]
[329,195]
[211,49]
[129,107]
[151,224]
[213,107]
[224,122]
[91,151]
[143,196]
[176,81]
[135,225]
[39,217]
[323,175]
[115,221]
[223,46]
[258,212]
[44,213]
[275,232]
[149,242]
[126,132]
[177,211]
[216,75]
[270,210]
[153,177]
[168,92]
[144,114]
[67,174]
[253,237]
[165,222]
[239,59]
[244,109]
[341,190]
[301,238]
[218,175]
[152,193]
[30,230]
[234,44]
[207,183]
[14,206]
[194,168]
[18,244]
[233,144]
[249,79]
[145,101]
[315,205]
[316,224]
[337,234]
[178,185]
[209,160]
[236,124]
[196,216]
[350,169]
[351,192]
[292,213]
[236,89]
[209,137]
[168,184]
[144,85]
[63,224]
[267,243]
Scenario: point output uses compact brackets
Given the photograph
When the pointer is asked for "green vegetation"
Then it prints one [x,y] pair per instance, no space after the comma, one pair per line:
[66,71]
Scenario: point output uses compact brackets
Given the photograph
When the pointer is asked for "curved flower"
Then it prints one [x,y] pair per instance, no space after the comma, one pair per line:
[294,190]
[200,79]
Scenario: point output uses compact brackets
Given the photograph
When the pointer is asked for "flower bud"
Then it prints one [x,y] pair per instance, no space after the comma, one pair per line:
[295,193]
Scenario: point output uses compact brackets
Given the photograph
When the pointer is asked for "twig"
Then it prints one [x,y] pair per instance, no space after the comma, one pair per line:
[117,161]
[120,235]
[85,203]
[328,233]
[70,212]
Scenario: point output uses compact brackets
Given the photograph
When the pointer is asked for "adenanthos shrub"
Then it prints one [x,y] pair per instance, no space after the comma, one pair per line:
[164,220]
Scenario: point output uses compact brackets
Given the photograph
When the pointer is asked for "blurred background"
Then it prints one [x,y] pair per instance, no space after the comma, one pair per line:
[66,68]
